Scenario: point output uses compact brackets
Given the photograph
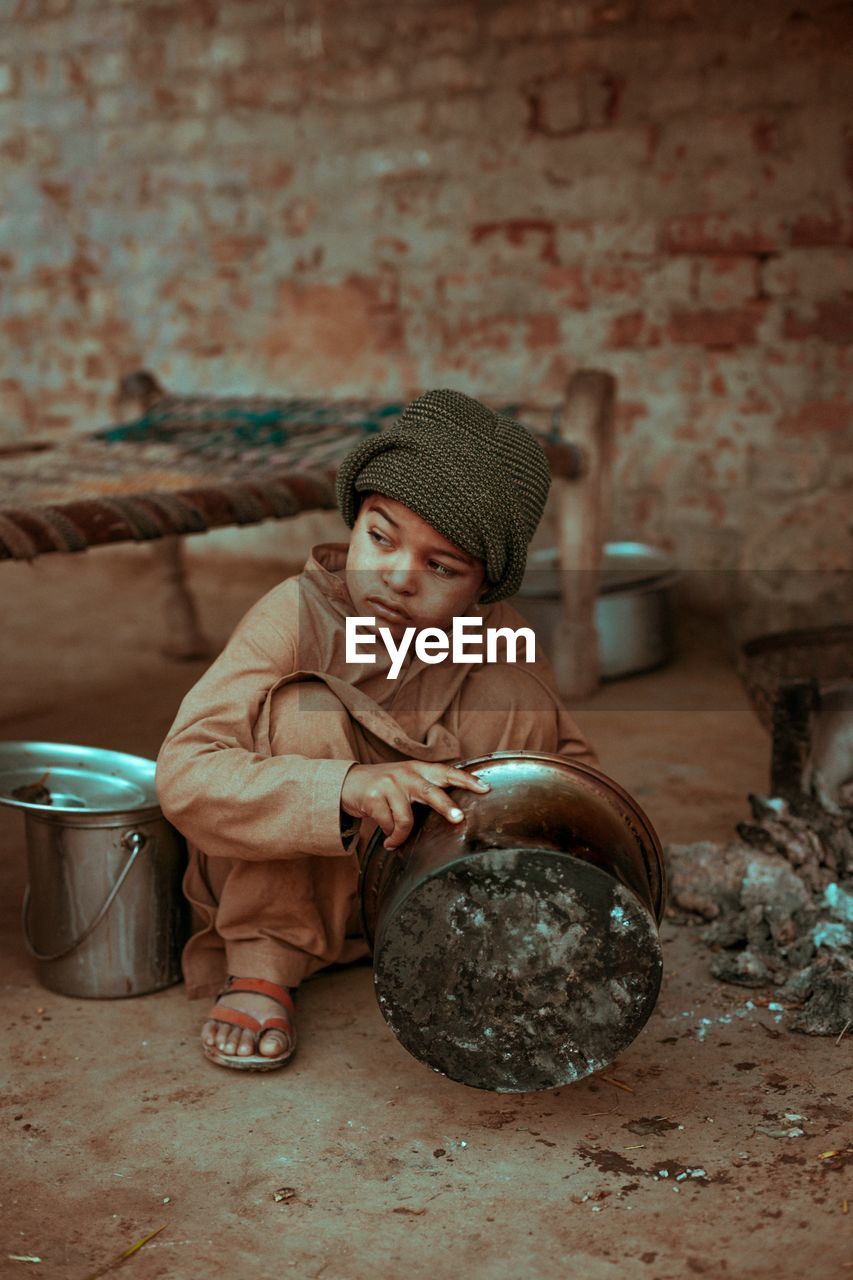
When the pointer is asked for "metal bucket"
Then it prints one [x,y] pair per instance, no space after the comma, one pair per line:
[518,950]
[104,914]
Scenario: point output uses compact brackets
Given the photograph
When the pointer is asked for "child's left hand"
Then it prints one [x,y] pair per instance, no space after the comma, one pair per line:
[384,792]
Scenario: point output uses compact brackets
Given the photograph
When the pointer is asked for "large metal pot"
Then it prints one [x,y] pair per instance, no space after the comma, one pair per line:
[518,950]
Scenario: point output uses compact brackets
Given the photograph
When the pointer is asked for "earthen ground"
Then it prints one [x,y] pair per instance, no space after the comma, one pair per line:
[698,1153]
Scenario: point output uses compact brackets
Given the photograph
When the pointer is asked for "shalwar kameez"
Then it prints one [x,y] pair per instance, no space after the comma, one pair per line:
[252,769]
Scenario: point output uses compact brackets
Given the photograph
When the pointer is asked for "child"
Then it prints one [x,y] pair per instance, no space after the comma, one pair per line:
[285,758]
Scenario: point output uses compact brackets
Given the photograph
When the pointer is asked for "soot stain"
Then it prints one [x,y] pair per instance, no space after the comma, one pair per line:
[657,1125]
[608,1161]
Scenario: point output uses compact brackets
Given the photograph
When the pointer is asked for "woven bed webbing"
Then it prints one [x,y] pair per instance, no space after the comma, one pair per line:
[194,463]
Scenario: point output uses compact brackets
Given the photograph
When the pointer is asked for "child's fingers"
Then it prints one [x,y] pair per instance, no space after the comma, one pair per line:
[380,811]
[459,778]
[444,775]
[431,794]
[402,820]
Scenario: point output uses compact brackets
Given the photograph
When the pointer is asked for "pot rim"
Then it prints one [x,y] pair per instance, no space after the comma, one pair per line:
[619,797]
[598,774]
[117,781]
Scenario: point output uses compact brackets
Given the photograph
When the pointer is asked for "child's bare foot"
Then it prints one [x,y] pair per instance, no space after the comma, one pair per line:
[253,1007]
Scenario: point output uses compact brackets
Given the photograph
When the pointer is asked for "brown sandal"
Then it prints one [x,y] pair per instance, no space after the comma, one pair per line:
[236,1018]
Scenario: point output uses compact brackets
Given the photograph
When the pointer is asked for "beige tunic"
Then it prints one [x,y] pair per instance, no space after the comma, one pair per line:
[252,769]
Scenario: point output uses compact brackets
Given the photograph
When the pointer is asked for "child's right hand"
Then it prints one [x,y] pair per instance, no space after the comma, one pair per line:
[384,792]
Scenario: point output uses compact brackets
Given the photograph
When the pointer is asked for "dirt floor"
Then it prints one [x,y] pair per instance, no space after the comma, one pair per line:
[701,1152]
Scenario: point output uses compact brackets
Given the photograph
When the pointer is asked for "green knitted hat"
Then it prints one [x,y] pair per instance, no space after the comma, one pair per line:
[478,477]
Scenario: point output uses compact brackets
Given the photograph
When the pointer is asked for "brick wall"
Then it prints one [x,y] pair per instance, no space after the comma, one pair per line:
[380,195]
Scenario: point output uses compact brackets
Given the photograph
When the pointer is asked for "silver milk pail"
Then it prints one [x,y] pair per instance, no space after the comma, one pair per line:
[104,914]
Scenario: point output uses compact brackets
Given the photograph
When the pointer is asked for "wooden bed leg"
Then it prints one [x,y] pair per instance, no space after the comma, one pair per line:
[582,521]
[184,637]
[136,394]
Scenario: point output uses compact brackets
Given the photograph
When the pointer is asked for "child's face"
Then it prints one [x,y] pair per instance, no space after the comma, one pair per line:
[398,560]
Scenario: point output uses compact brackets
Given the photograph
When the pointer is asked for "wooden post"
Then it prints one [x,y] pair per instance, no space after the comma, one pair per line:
[582,520]
[185,639]
[138,393]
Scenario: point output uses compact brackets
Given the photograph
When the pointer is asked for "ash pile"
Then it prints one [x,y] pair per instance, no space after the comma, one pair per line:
[777,900]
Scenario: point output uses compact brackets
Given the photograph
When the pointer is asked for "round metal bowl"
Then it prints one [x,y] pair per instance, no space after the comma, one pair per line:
[634,614]
[518,950]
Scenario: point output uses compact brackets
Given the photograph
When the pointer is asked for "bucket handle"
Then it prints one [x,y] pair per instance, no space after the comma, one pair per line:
[134,842]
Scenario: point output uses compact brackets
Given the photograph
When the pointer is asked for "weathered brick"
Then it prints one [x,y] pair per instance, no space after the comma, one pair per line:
[617,237]
[489,114]
[722,233]
[830,319]
[105,68]
[807,273]
[555,107]
[782,469]
[830,227]
[18,406]
[245,88]
[595,196]
[543,330]
[830,421]
[515,236]
[445,73]
[188,96]
[616,281]
[34,10]
[439,27]
[9,80]
[659,97]
[627,413]
[40,74]
[738,85]
[519,21]
[806,537]
[594,152]
[729,327]
[360,312]
[394,125]
[249,14]
[568,286]
[681,12]
[633,329]
[526,62]
[371,83]
[722,281]
[205,51]
[716,465]
[248,134]
[487,292]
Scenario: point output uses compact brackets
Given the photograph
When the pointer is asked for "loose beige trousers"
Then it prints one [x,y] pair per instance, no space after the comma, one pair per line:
[285,919]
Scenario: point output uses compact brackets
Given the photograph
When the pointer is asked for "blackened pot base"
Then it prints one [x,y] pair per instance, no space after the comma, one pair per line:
[516,970]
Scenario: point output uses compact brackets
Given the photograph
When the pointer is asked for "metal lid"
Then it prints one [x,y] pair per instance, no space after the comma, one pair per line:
[59,777]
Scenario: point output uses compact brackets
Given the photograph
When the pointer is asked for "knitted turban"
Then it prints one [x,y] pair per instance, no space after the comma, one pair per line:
[478,477]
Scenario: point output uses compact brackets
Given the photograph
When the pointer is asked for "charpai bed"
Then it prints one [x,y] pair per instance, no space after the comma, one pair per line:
[182,464]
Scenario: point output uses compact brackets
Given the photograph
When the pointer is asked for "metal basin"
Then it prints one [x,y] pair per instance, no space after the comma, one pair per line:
[634,614]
